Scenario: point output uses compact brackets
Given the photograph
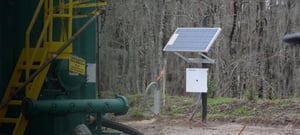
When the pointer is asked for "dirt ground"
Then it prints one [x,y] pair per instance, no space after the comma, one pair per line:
[182,126]
[280,117]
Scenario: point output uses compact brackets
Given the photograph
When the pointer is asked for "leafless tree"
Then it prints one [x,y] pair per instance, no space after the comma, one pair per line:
[249,52]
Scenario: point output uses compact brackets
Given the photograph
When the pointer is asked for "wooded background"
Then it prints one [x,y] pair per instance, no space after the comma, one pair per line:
[249,52]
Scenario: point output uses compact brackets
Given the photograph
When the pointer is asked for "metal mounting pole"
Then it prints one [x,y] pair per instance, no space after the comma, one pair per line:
[204,95]
[204,98]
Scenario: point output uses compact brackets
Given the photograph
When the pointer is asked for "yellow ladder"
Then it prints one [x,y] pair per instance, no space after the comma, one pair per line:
[31,58]
[33,90]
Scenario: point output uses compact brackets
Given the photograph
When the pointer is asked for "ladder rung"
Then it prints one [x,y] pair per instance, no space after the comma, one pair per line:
[15,102]
[8,120]
[23,67]
[61,15]
[17,84]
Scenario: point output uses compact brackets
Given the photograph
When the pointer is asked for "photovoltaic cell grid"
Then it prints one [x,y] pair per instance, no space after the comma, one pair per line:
[192,39]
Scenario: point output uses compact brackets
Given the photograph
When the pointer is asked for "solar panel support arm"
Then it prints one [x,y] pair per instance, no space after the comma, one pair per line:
[181,56]
[210,60]
[205,59]
[200,61]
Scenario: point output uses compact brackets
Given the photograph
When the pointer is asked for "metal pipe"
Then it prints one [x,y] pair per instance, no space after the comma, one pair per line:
[31,108]
[48,62]
[156,103]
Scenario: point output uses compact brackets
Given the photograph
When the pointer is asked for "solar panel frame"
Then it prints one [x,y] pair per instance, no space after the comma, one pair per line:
[192,39]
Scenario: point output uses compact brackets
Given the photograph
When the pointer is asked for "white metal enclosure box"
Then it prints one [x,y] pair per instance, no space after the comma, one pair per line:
[196,80]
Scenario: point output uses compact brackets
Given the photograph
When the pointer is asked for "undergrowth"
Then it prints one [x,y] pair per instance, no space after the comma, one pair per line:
[248,110]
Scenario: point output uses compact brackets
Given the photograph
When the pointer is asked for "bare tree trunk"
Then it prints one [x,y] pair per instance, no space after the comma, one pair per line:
[249,52]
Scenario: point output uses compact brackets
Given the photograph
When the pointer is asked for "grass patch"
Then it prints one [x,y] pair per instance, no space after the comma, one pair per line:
[172,110]
[219,101]
[240,112]
[296,116]
[276,101]
[251,95]
[217,116]
[220,108]
[277,104]
[177,105]
[136,113]
[135,100]
[234,113]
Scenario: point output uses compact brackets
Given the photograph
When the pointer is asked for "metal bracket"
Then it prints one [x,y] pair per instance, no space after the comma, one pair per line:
[210,60]
[206,59]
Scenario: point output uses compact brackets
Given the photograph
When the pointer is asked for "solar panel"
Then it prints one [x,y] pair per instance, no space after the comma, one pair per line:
[192,39]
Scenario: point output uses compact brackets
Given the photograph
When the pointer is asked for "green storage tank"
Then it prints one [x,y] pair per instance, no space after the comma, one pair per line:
[61,89]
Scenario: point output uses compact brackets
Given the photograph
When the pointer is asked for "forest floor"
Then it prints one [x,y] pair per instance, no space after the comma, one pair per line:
[225,117]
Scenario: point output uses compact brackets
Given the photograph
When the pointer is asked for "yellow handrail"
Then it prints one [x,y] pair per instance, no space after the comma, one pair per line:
[77,4]
[50,30]
[27,35]
[39,42]
[70,19]
[32,22]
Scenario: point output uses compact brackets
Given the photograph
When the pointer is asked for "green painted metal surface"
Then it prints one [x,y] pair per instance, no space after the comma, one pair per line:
[68,81]
[31,108]
[14,20]
[59,87]
[85,47]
